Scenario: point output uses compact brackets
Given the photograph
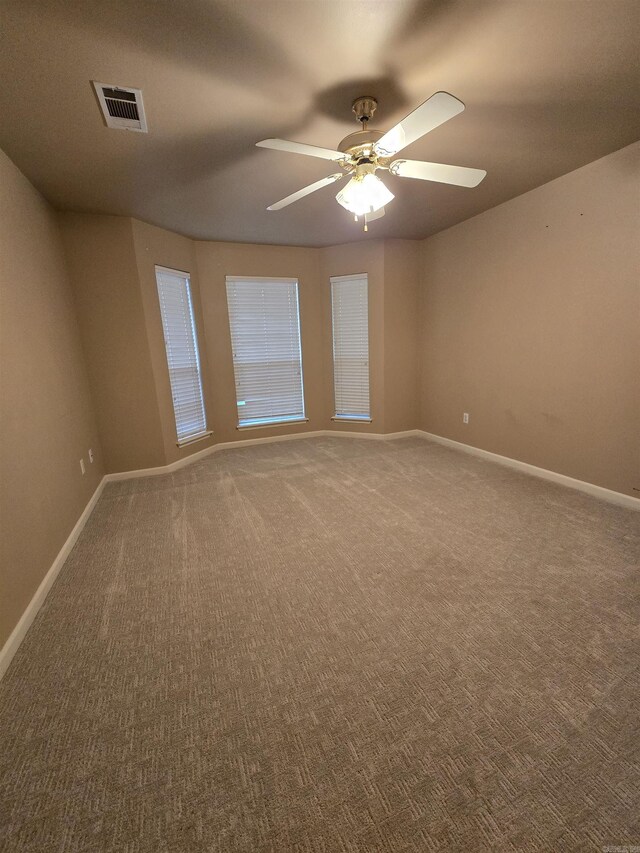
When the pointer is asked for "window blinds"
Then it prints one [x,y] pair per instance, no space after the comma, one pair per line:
[265,337]
[349,308]
[182,353]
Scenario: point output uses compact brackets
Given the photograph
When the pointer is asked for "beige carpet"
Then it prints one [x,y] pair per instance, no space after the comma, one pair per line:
[332,645]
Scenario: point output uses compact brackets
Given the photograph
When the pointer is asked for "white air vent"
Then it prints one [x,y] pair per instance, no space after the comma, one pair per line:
[121,107]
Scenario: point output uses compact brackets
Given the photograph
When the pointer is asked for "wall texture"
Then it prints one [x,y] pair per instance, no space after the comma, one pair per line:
[122,331]
[524,317]
[401,334]
[530,319]
[217,260]
[46,418]
[102,263]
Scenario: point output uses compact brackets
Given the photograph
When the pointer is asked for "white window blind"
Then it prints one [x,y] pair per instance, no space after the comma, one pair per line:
[350,315]
[267,360]
[182,353]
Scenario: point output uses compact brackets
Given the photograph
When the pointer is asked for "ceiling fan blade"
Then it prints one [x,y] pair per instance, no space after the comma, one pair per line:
[377,214]
[318,185]
[302,148]
[461,176]
[435,111]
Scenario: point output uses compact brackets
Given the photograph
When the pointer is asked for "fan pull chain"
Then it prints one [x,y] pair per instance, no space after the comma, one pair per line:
[356,218]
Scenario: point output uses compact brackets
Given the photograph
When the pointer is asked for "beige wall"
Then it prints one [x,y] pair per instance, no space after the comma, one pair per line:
[402,269]
[523,316]
[122,331]
[46,416]
[531,318]
[216,261]
[102,262]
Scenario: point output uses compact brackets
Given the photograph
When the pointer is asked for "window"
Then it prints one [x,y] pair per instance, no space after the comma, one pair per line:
[182,354]
[265,337]
[349,311]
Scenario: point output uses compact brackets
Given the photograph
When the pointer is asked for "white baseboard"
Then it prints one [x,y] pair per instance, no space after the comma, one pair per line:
[590,488]
[247,442]
[17,635]
[378,436]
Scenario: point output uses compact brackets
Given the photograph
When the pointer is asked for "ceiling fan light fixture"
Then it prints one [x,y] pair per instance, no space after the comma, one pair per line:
[361,154]
[365,193]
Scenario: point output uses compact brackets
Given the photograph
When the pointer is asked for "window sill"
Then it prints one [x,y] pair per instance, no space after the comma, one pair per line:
[193,438]
[345,419]
[273,424]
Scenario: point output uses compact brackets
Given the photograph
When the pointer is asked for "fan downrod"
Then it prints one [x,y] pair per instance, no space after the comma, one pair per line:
[359,145]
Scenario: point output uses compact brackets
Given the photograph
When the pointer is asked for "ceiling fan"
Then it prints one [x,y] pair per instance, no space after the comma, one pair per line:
[363,153]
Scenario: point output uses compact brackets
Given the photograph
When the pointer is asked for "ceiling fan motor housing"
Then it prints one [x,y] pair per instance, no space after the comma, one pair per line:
[359,145]
[360,139]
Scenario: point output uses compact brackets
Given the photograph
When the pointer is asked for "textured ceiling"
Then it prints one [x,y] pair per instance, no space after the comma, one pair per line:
[549,86]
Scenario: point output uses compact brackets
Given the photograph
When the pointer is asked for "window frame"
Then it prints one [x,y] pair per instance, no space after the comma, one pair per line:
[187,438]
[264,423]
[349,418]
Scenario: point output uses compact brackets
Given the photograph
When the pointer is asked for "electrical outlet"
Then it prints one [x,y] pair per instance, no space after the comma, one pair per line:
[90,455]
[82,468]
[465,418]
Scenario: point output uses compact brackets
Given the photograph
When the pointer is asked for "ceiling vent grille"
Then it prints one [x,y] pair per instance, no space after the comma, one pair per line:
[121,107]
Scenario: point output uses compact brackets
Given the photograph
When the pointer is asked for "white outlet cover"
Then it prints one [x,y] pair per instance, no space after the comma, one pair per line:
[465,418]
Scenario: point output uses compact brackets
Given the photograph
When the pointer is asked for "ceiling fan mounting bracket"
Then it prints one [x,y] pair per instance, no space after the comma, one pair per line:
[364,108]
